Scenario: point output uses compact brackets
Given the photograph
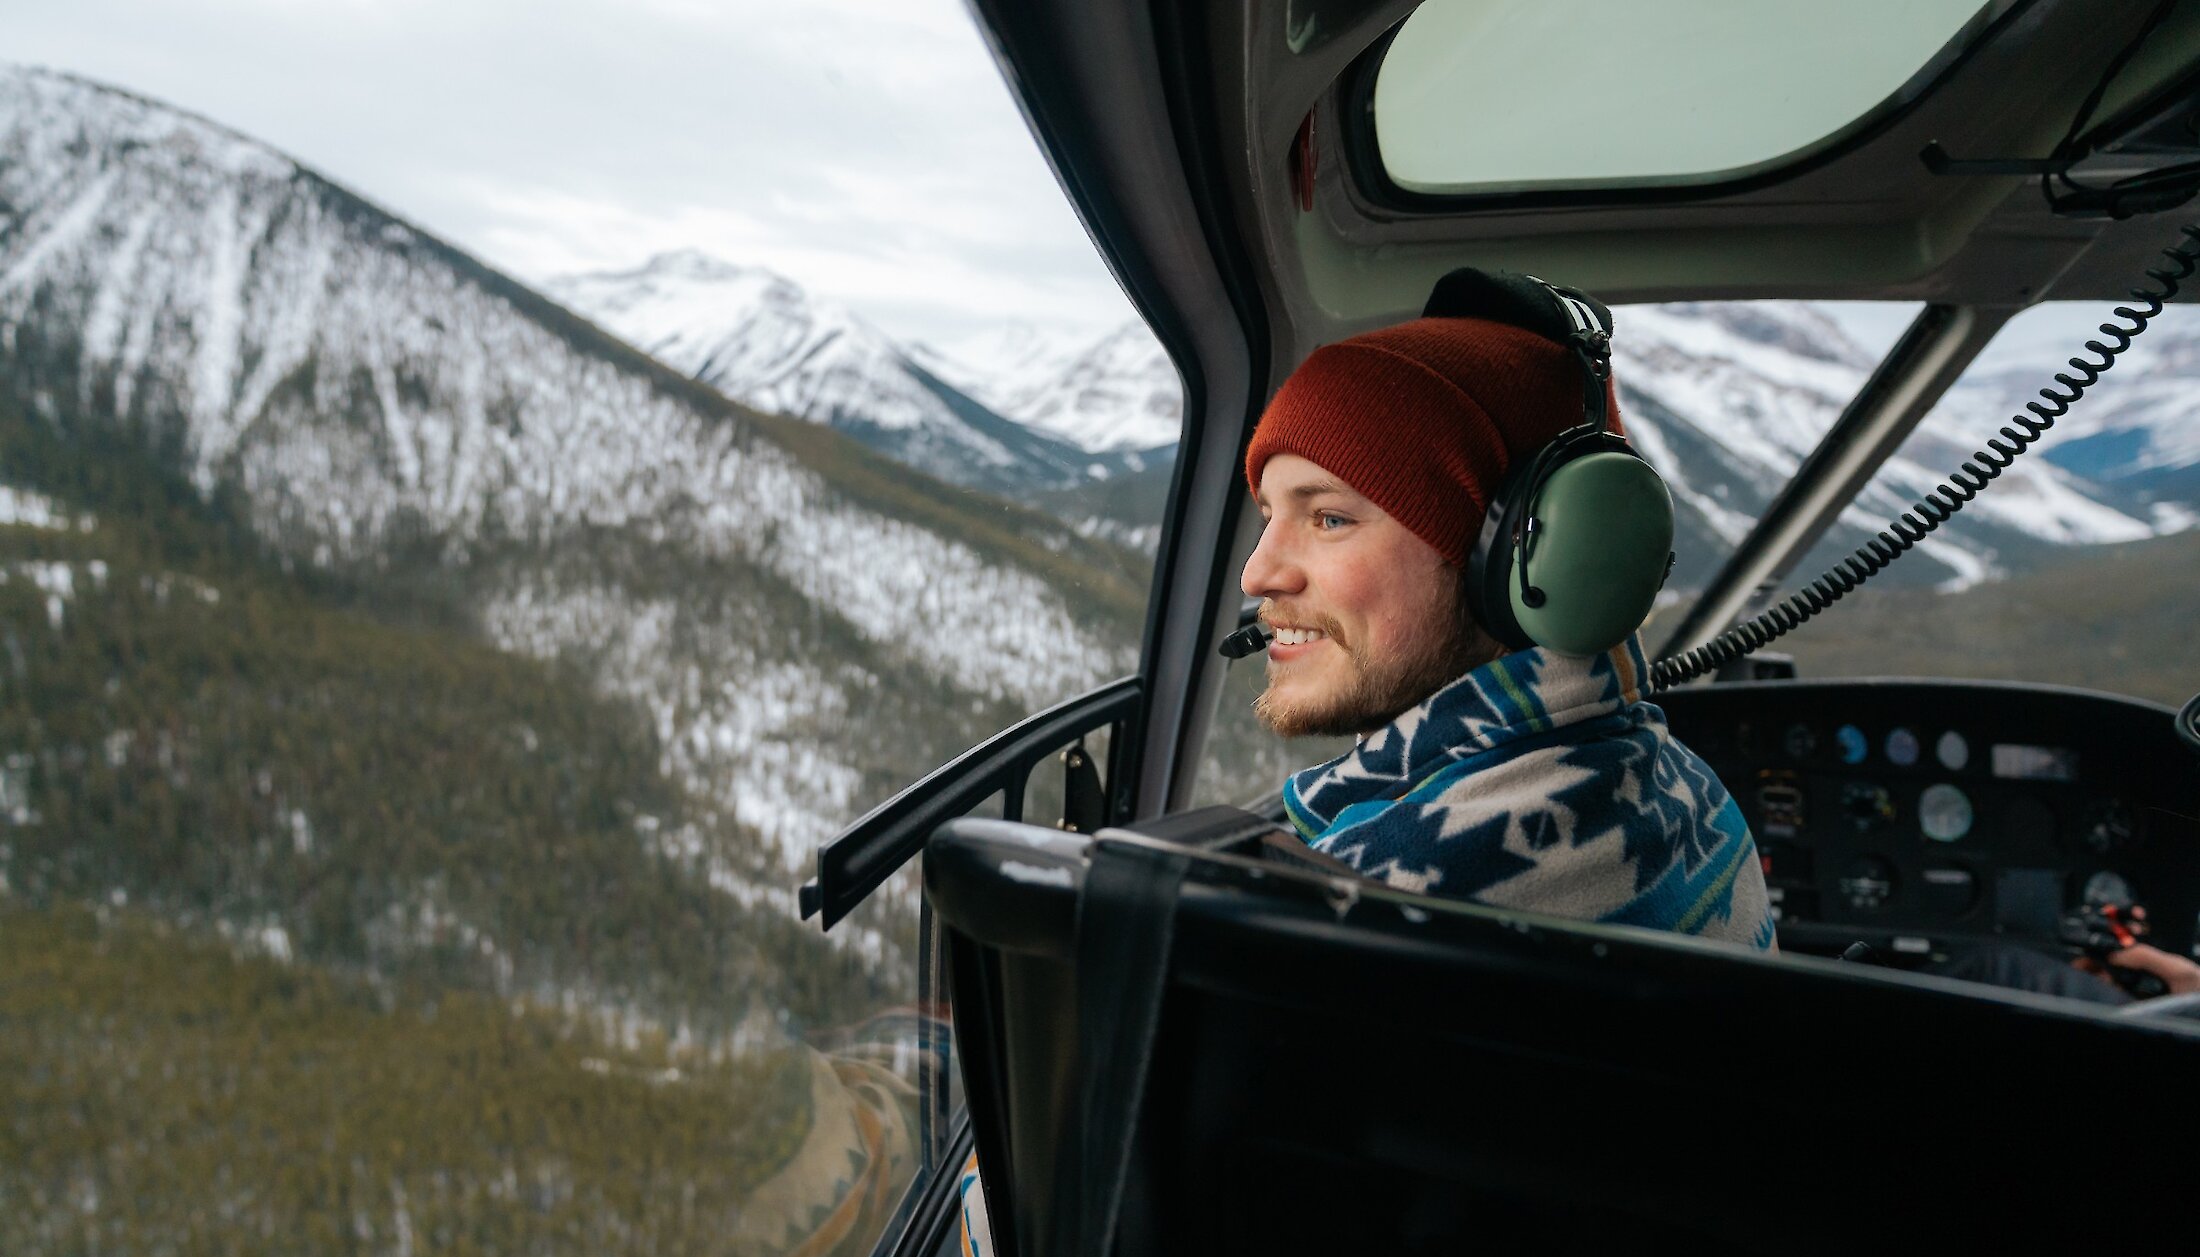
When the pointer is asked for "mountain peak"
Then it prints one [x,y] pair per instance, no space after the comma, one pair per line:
[762,339]
[51,104]
[682,277]
[1796,328]
[696,264]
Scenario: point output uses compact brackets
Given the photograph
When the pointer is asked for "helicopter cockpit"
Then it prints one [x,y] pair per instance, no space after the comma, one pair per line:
[499,503]
[1177,1032]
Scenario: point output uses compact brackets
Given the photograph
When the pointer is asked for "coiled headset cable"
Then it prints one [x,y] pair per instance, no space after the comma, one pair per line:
[1934,509]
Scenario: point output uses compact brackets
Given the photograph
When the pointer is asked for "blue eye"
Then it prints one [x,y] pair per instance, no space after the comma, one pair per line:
[1329,523]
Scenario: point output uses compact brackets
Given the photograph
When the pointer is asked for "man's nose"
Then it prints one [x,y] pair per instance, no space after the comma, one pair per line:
[1270,570]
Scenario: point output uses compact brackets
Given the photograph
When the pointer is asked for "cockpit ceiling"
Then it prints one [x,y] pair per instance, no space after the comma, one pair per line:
[1862,219]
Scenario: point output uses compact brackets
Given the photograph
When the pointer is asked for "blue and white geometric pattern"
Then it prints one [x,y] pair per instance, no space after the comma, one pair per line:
[1543,782]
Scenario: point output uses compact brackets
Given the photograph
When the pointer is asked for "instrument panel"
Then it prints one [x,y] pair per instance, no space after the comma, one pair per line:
[1915,816]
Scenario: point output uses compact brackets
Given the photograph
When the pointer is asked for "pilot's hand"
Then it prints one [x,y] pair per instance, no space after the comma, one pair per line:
[2180,975]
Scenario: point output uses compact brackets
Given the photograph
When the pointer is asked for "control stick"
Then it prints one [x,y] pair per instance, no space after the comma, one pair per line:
[2100,930]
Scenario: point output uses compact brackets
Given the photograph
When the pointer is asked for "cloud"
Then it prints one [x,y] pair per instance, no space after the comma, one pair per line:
[866,149]
[894,276]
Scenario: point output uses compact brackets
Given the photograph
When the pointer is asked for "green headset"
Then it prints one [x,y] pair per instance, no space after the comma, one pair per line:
[1579,536]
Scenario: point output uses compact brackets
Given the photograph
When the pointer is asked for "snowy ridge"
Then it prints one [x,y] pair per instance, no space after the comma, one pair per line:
[999,364]
[762,340]
[2139,421]
[1120,393]
[1749,389]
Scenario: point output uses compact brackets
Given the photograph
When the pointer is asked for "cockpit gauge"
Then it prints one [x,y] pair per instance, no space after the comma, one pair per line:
[1952,751]
[1944,813]
[1867,883]
[1901,748]
[2106,888]
[2107,827]
[1800,741]
[1869,808]
[1853,744]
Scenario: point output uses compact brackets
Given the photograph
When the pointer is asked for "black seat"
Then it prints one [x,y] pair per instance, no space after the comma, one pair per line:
[1335,1064]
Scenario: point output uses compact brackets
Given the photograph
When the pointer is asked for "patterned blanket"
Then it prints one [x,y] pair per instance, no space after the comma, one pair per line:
[1544,782]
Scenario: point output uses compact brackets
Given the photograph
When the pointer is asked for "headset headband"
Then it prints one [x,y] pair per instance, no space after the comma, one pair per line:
[1562,316]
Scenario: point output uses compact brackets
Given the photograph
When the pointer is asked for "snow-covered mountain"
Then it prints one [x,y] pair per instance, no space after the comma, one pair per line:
[2137,433]
[805,625]
[1119,393]
[765,341]
[1001,363]
[1727,398]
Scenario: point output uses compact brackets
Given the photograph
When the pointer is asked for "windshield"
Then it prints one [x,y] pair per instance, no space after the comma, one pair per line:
[485,491]
[2078,566]
[1481,95]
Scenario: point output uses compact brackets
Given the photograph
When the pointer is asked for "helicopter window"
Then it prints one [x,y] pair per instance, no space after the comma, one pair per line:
[484,495]
[2077,566]
[1593,94]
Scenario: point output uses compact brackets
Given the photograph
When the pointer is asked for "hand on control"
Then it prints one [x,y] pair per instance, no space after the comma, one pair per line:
[2177,975]
[2180,975]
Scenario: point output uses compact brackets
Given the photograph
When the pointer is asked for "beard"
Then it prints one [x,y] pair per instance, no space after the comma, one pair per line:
[1381,688]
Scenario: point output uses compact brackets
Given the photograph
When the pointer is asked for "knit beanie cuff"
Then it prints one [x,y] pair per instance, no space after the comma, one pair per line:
[1400,435]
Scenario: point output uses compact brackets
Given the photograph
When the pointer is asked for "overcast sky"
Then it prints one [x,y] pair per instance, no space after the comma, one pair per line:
[867,149]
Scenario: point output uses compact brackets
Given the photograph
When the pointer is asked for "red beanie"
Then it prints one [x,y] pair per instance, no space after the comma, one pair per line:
[1424,419]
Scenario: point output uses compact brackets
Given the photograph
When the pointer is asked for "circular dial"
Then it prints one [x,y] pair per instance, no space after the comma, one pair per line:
[1867,883]
[1953,751]
[1902,748]
[1944,813]
[1854,746]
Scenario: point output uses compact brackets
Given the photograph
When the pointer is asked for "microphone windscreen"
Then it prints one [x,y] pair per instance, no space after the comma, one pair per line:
[1246,641]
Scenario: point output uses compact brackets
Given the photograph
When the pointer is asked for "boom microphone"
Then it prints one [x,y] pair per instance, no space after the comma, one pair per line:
[1248,640]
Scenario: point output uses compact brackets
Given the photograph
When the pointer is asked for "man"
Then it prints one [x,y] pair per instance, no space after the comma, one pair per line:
[1522,779]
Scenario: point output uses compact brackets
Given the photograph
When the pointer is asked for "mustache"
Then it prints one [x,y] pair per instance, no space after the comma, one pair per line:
[1273,613]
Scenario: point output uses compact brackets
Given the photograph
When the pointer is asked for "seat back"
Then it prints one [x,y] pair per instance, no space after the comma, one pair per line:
[1334,1063]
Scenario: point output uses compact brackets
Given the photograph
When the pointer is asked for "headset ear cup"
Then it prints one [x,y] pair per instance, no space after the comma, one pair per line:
[1606,533]
[1599,550]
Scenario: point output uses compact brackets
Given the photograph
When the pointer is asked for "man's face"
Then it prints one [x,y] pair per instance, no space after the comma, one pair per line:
[1367,616]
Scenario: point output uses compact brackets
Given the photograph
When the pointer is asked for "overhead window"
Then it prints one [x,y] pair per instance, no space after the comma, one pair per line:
[1494,95]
